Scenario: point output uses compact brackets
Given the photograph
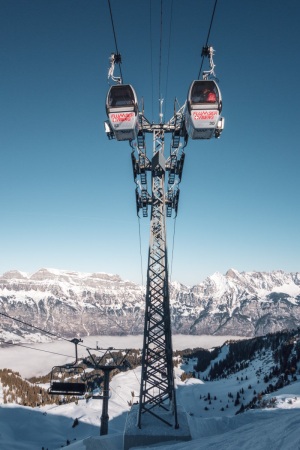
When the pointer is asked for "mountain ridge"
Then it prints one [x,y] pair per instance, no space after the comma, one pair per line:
[76,303]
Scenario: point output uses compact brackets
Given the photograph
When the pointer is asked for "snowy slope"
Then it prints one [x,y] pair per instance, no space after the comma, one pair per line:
[213,424]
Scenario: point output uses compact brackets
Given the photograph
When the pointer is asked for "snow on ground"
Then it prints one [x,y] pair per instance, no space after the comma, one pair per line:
[211,414]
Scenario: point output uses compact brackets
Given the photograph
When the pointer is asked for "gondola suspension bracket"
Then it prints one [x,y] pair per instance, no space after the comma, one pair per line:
[115,58]
[209,52]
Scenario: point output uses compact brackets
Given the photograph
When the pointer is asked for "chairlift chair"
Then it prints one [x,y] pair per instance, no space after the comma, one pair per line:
[64,380]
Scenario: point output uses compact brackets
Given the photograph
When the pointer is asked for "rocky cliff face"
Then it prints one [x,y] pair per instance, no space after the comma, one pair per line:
[77,304]
[246,304]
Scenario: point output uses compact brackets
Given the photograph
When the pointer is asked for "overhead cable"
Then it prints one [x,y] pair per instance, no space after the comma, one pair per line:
[208,34]
[168,59]
[115,38]
[33,326]
[160,51]
[151,58]
[40,329]
[37,349]
[54,335]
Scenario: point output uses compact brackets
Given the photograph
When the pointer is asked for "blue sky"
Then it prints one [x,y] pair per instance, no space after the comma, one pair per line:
[67,193]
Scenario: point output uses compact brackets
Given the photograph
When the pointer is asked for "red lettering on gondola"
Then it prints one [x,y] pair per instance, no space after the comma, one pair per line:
[204,115]
[121,117]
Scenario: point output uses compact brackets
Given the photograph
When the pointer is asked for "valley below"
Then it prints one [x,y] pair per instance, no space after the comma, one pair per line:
[38,359]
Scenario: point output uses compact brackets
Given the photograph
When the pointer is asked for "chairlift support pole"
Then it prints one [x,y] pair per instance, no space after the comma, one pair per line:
[105,416]
[106,369]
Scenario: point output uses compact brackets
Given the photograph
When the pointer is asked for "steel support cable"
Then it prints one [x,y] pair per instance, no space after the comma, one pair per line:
[208,34]
[33,326]
[115,38]
[151,60]
[168,61]
[48,332]
[45,331]
[40,329]
[36,349]
[160,54]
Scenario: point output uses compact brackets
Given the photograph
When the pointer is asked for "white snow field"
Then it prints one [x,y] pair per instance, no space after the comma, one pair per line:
[213,425]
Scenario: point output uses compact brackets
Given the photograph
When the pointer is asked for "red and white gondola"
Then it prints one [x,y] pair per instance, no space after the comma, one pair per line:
[203,110]
[122,112]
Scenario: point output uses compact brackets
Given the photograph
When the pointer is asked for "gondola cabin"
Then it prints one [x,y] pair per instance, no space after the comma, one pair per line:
[203,109]
[122,112]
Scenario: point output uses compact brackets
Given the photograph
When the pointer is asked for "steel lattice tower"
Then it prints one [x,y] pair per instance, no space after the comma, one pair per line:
[157,380]
[157,392]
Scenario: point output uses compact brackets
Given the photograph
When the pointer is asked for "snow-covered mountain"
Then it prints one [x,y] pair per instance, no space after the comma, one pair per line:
[70,303]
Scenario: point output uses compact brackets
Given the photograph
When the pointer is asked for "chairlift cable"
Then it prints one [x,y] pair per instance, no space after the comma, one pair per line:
[33,326]
[58,354]
[40,329]
[115,38]
[208,34]
[37,349]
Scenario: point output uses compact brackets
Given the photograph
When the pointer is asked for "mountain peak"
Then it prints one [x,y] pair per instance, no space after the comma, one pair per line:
[232,273]
[15,274]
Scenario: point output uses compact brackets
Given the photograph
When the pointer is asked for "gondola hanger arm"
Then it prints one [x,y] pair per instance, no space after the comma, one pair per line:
[209,52]
[115,58]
